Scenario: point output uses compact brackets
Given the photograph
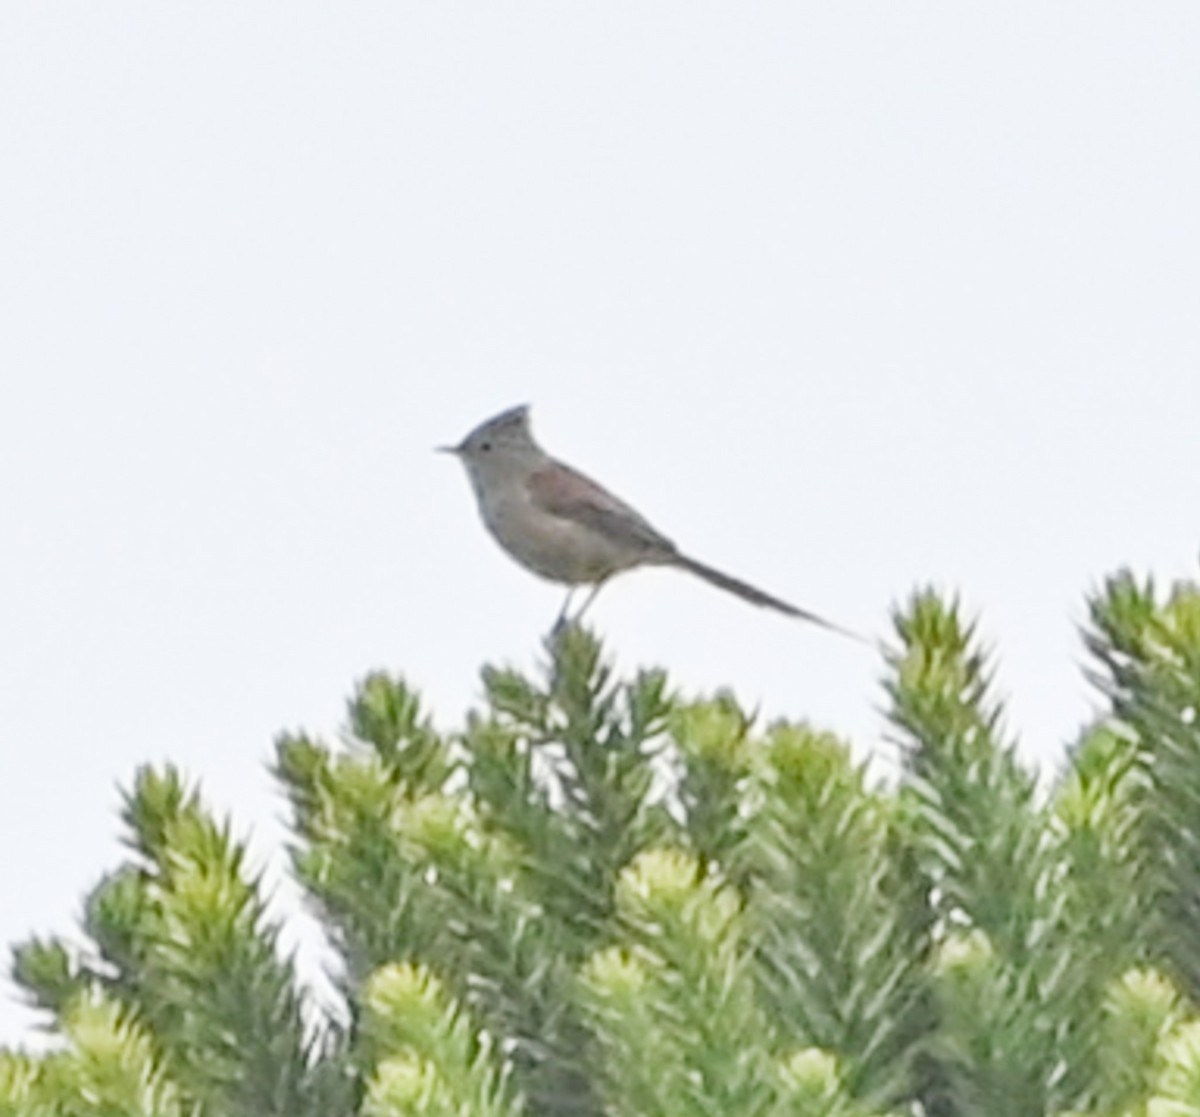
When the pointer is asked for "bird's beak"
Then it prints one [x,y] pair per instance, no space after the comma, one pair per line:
[456,450]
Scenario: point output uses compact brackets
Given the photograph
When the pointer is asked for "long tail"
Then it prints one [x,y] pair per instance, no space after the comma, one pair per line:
[758,597]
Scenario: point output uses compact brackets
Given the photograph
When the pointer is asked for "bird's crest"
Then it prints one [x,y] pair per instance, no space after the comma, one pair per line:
[515,418]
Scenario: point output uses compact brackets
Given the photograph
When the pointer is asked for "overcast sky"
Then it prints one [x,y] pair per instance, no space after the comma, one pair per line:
[846,298]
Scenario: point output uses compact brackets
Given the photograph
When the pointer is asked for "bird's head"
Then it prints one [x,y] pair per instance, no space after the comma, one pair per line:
[502,443]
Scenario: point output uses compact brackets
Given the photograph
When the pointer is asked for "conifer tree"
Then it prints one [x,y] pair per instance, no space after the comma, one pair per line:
[601,898]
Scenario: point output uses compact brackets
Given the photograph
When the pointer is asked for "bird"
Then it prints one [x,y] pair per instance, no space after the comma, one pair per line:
[565,527]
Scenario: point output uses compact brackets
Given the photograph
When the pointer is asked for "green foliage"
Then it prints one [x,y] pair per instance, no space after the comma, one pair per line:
[600,899]
[428,1057]
[1150,667]
[690,969]
[842,931]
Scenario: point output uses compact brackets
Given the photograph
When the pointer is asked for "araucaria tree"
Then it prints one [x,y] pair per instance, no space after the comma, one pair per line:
[598,898]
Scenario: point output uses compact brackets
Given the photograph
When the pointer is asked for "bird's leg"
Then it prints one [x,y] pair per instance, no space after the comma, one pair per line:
[586,602]
[561,622]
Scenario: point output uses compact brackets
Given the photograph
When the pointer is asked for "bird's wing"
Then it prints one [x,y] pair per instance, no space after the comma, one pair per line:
[565,492]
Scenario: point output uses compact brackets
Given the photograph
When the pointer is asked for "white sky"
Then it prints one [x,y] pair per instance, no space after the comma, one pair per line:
[845,297]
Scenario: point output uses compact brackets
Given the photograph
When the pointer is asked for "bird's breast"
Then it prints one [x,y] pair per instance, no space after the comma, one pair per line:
[554,547]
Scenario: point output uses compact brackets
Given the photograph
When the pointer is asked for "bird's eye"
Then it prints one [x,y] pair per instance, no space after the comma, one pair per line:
[485,446]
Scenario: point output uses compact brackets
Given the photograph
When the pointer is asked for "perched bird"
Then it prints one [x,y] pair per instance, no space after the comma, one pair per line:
[562,525]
